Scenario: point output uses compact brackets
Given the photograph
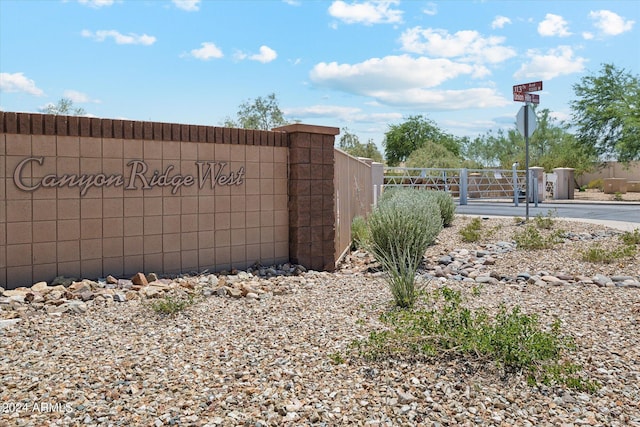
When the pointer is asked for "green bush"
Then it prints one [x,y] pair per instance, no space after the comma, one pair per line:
[359,232]
[401,228]
[447,206]
[516,342]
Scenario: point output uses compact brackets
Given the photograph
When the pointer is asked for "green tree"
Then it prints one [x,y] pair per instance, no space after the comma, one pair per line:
[262,113]
[403,139]
[606,114]
[351,144]
[433,155]
[550,146]
[64,107]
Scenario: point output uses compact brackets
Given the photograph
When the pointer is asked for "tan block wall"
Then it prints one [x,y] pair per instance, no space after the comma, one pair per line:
[114,230]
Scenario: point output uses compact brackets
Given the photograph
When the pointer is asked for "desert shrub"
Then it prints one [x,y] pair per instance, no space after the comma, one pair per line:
[596,184]
[359,232]
[515,341]
[171,304]
[401,228]
[631,237]
[447,206]
[546,222]
[597,253]
[531,238]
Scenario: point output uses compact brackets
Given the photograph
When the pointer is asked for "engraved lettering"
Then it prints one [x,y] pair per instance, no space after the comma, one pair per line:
[17,173]
[137,173]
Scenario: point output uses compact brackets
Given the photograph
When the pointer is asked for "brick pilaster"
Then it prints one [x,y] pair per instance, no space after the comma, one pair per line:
[311,195]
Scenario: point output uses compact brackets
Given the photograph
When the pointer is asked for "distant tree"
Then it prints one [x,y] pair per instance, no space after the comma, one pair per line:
[550,146]
[403,139]
[64,107]
[433,155]
[352,145]
[261,113]
[606,114]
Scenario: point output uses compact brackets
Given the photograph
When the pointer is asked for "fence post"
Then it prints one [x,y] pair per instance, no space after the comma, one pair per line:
[516,190]
[464,186]
[377,179]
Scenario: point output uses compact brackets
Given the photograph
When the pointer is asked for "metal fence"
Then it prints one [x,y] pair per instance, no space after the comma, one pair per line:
[354,196]
[466,184]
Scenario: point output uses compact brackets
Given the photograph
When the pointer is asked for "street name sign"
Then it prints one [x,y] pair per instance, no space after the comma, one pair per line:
[527,87]
[526,97]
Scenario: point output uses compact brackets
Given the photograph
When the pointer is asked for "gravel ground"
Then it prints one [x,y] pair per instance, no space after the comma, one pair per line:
[270,361]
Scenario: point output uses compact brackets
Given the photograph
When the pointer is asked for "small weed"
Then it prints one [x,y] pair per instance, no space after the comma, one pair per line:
[471,232]
[170,305]
[518,220]
[360,322]
[617,196]
[546,222]
[337,358]
[531,238]
[359,232]
[476,290]
[597,253]
[631,237]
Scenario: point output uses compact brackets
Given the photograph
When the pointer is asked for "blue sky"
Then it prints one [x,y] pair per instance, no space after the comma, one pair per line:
[362,65]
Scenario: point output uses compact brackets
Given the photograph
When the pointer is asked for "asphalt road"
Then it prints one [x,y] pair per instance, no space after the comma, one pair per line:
[625,212]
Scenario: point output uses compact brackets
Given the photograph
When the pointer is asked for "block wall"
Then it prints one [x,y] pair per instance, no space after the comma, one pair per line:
[87,197]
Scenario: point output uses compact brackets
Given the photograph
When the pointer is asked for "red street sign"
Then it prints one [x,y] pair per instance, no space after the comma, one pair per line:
[526,97]
[527,87]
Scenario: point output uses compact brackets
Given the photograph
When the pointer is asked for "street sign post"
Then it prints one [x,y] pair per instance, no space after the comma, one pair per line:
[526,123]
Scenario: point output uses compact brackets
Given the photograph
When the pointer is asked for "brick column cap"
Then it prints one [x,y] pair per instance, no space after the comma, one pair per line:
[299,127]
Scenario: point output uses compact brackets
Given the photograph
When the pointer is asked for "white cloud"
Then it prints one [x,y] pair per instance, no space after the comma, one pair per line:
[292,2]
[440,100]
[556,62]
[207,51]
[367,12]
[610,23]
[344,114]
[467,45]
[500,22]
[119,38]
[266,55]
[587,35]
[553,25]
[79,97]
[405,81]
[431,9]
[17,82]
[188,5]
[388,73]
[96,3]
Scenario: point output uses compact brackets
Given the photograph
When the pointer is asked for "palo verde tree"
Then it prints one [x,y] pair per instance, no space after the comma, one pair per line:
[351,144]
[403,139]
[606,113]
[262,113]
[64,107]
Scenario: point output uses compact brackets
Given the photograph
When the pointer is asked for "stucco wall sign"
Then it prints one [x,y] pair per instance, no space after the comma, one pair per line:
[212,172]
